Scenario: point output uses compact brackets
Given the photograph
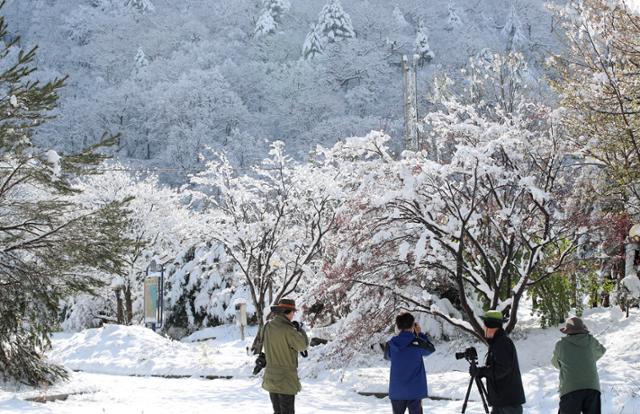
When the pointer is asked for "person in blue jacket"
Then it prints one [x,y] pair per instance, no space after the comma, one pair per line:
[408,377]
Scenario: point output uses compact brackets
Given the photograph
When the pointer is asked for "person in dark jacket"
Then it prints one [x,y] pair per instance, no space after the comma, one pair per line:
[408,377]
[575,356]
[502,371]
[284,338]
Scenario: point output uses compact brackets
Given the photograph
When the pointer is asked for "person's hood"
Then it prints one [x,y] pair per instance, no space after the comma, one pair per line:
[579,340]
[402,340]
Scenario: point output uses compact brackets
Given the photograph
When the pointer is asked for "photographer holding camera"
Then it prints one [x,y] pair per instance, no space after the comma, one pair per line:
[502,371]
[284,338]
[408,377]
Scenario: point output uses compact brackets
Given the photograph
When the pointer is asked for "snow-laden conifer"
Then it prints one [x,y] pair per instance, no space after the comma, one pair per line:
[265,25]
[143,6]
[513,31]
[277,8]
[141,59]
[453,19]
[271,16]
[52,243]
[312,45]
[334,24]
[422,50]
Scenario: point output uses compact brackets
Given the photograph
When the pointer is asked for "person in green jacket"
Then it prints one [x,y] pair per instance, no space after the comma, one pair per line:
[284,338]
[575,356]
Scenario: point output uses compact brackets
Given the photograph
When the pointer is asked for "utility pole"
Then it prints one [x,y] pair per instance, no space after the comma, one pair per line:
[410,104]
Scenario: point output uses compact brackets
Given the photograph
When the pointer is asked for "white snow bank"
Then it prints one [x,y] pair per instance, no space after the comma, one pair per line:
[632,283]
[135,350]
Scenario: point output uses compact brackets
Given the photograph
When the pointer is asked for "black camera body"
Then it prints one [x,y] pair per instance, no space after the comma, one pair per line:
[470,354]
[261,362]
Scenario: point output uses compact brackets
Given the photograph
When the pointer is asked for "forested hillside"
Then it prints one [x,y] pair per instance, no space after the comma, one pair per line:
[175,78]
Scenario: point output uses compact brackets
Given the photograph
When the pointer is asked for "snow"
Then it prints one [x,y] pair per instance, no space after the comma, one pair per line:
[110,353]
[54,159]
[135,350]
[634,5]
[632,283]
[13,101]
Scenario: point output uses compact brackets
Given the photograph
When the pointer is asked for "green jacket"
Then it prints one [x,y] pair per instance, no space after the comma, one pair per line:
[282,343]
[575,356]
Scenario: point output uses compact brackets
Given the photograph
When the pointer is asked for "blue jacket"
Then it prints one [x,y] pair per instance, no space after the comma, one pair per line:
[408,378]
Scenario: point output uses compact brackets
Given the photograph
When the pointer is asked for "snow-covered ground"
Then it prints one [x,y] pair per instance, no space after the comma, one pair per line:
[108,356]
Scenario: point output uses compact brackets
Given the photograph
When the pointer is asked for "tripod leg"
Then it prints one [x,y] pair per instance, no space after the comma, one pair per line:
[483,394]
[466,397]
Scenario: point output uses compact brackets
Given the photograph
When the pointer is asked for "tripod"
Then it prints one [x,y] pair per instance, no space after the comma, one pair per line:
[479,385]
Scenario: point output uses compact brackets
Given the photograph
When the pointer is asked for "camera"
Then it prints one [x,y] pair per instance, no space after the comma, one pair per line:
[261,362]
[469,354]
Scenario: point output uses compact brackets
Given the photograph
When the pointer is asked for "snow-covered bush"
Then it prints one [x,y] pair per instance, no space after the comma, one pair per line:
[201,287]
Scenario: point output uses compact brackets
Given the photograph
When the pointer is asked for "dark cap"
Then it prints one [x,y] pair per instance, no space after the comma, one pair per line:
[283,305]
[574,326]
[493,319]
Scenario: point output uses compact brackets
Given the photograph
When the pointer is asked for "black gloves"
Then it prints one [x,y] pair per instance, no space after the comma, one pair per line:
[297,325]
[476,371]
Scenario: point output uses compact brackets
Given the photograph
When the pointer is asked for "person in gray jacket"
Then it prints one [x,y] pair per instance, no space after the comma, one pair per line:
[575,356]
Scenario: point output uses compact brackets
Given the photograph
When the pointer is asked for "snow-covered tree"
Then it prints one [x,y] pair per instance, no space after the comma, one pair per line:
[51,243]
[143,6]
[488,223]
[601,117]
[202,285]
[271,223]
[421,48]
[597,92]
[271,16]
[277,8]
[496,83]
[512,30]
[399,17]
[140,60]
[334,24]
[312,45]
[453,19]
[265,25]
[159,226]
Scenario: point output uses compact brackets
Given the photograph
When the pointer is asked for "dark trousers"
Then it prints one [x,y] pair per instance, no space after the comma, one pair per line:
[400,406]
[512,409]
[282,403]
[581,401]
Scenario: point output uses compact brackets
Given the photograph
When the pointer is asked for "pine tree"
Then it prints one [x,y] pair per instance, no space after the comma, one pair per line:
[143,6]
[512,29]
[453,20]
[399,16]
[141,59]
[271,17]
[334,24]
[312,45]
[277,8]
[265,24]
[422,49]
[51,243]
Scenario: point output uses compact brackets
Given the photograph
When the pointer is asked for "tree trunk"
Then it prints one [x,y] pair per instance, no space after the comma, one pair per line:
[574,290]
[119,307]
[258,342]
[128,303]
